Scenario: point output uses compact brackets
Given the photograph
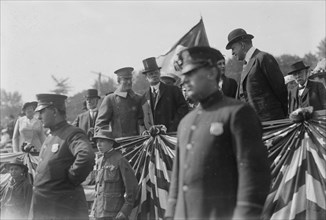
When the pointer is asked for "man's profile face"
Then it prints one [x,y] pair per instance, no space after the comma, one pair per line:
[238,51]
[153,77]
[47,117]
[91,103]
[196,83]
[104,145]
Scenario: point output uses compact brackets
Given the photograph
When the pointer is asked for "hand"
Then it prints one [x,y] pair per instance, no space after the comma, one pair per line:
[120,216]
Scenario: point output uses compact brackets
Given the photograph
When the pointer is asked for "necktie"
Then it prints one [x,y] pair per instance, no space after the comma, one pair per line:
[154,94]
[301,87]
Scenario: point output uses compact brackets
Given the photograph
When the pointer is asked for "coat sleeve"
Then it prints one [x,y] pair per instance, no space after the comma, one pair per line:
[105,114]
[252,163]
[173,191]
[84,156]
[182,108]
[272,72]
[130,183]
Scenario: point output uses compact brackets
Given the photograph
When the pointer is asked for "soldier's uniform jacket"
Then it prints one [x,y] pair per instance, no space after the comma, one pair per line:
[124,113]
[66,158]
[221,168]
[116,186]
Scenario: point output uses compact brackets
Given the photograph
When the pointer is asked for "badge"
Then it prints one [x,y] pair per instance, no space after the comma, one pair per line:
[216,128]
[55,148]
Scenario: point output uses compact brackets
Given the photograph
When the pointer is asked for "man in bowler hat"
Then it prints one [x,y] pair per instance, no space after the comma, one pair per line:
[307,92]
[122,108]
[261,83]
[86,120]
[162,104]
[220,170]
[66,158]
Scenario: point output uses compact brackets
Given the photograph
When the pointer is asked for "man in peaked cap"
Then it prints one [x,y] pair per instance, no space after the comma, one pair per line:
[66,158]
[220,170]
[306,92]
[262,83]
[86,120]
[122,108]
[162,104]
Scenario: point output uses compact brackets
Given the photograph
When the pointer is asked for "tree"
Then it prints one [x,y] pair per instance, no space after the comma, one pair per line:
[321,53]
[62,87]
[140,84]
[11,104]
[285,60]
[105,86]
[233,68]
[310,60]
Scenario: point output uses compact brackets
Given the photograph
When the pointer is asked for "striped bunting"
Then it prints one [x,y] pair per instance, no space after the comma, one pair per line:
[152,158]
[298,155]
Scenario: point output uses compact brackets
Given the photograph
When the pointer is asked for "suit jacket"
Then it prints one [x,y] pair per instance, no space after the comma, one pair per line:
[85,122]
[168,109]
[229,86]
[263,87]
[220,168]
[313,95]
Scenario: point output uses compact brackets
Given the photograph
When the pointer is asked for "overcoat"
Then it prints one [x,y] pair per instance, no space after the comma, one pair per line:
[262,86]
[66,158]
[167,109]
[85,121]
[124,113]
[220,168]
[314,94]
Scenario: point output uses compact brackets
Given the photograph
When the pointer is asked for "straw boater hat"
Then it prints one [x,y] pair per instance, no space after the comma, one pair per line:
[18,162]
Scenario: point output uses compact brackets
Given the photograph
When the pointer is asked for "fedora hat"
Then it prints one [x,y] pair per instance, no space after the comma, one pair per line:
[195,57]
[150,65]
[27,104]
[237,35]
[92,93]
[297,67]
[18,162]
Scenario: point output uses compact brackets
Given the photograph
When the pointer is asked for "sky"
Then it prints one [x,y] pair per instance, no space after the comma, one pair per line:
[72,39]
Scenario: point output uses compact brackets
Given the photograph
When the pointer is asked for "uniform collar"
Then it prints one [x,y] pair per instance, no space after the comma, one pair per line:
[109,153]
[58,126]
[211,99]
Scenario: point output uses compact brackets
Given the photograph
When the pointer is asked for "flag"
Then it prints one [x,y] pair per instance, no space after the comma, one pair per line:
[195,37]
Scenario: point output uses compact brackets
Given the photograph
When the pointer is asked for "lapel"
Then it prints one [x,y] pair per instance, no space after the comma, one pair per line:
[162,89]
[248,67]
[306,90]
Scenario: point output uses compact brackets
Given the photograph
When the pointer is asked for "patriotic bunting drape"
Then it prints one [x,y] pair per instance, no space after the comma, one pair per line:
[298,164]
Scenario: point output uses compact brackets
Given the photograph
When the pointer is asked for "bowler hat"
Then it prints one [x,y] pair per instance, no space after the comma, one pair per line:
[47,100]
[150,65]
[27,104]
[124,72]
[297,67]
[92,93]
[105,134]
[237,35]
[17,161]
[195,57]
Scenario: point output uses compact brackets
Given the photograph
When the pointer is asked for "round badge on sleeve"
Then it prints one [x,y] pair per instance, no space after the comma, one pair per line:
[55,148]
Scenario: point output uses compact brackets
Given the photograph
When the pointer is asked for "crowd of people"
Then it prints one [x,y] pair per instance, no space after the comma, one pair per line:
[220,170]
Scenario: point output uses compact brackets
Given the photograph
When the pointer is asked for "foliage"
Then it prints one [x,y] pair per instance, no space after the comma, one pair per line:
[321,53]
[61,87]
[11,104]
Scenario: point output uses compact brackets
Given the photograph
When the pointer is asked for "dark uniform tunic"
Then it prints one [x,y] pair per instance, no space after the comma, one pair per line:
[221,168]
[116,186]
[124,113]
[66,158]
[16,200]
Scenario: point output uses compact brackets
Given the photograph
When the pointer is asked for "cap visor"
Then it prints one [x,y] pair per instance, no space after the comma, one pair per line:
[40,107]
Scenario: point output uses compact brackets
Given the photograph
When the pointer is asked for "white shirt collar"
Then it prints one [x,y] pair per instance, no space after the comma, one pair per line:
[93,110]
[156,87]
[249,54]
